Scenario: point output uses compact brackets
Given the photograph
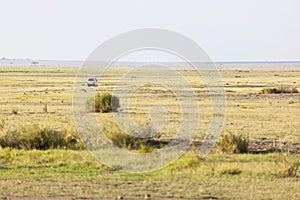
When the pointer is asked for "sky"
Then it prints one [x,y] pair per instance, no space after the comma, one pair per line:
[231,30]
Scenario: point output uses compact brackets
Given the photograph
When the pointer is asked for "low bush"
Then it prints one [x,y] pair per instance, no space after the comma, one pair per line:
[35,137]
[231,143]
[279,90]
[103,102]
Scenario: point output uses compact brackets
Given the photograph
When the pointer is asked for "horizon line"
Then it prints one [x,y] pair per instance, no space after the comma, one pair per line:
[132,61]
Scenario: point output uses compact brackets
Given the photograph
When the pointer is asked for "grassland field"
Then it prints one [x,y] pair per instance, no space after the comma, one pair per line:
[270,121]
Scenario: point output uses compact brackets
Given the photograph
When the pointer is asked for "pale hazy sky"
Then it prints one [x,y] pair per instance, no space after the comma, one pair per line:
[226,29]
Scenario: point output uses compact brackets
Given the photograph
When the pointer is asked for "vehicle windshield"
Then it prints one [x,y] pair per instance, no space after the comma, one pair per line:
[91,79]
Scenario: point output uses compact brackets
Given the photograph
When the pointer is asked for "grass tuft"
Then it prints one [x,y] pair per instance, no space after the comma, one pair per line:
[103,103]
[279,90]
[231,143]
[229,171]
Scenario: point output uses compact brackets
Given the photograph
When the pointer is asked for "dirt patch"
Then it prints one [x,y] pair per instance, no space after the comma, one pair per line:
[269,147]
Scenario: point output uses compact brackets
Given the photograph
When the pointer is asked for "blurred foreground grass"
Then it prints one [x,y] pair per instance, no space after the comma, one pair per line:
[76,174]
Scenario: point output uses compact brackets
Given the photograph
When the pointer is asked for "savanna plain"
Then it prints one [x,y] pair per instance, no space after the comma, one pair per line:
[257,155]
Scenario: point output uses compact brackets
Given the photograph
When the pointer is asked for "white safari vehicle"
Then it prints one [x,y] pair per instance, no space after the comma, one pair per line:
[92,82]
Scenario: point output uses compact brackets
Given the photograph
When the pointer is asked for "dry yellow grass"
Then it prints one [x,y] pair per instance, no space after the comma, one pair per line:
[261,117]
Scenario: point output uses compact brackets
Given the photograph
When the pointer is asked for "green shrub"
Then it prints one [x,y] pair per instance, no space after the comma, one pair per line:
[279,90]
[35,137]
[103,102]
[231,143]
